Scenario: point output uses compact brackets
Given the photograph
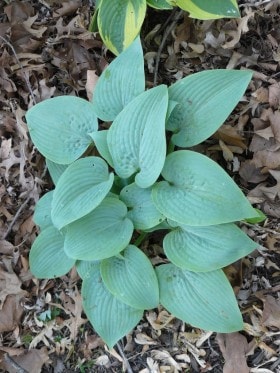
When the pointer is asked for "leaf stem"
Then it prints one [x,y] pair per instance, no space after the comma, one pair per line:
[140,238]
[170,147]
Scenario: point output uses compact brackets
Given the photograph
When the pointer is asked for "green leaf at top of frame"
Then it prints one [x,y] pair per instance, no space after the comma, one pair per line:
[111,318]
[103,233]
[204,249]
[136,138]
[47,257]
[42,213]
[205,100]
[198,192]
[131,278]
[204,300]
[120,82]
[80,189]
[142,210]
[159,4]
[59,127]
[201,9]
[119,22]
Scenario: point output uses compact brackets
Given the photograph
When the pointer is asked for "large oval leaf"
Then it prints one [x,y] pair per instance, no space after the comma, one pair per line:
[205,100]
[136,139]
[120,82]
[110,318]
[204,300]
[47,258]
[131,278]
[142,210]
[119,22]
[59,127]
[204,249]
[201,9]
[42,213]
[101,234]
[81,188]
[198,192]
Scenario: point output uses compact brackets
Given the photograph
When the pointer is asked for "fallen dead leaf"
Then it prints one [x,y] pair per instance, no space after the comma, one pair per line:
[11,313]
[31,361]
[271,312]
[234,347]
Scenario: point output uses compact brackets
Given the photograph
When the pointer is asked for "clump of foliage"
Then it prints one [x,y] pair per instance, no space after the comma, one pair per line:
[119,21]
[113,184]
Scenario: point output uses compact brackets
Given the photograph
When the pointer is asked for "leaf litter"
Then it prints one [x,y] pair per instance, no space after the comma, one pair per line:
[46,51]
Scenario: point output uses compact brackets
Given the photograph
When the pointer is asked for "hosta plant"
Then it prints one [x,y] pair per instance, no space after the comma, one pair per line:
[120,21]
[114,185]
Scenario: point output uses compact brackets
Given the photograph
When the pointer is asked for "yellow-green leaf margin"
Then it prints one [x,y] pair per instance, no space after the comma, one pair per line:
[119,22]
[201,9]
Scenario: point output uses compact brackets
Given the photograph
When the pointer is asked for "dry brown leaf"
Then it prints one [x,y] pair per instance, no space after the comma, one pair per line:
[67,8]
[251,173]
[92,80]
[6,247]
[271,312]
[32,361]
[234,348]
[274,119]
[11,313]
[274,95]
[9,285]
[241,28]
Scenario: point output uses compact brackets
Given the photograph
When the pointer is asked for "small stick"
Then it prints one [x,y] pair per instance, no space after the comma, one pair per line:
[128,367]
[21,67]
[14,364]
[164,38]
[15,217]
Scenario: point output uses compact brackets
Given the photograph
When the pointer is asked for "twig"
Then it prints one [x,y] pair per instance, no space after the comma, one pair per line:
[259,228]
[128,367]
[14,364]
[15,217]
[164,38]
[21,67]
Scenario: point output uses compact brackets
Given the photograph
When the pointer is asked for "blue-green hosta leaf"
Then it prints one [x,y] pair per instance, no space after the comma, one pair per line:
[42,213]
[159,4]
[142,210]
[204,249]
[131,278]
[55,170]
[119,22]
[205,101]
[101,234]
[100,141]
[136,139]
[198,192]
[47,258]
[84,267]
[81,188]
[59,127]
[201,9]
[204,300]
[120,82]
[110,318]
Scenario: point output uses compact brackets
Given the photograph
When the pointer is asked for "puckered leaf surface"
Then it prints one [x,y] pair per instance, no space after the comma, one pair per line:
[198,192]
[59,127]
[204,300]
